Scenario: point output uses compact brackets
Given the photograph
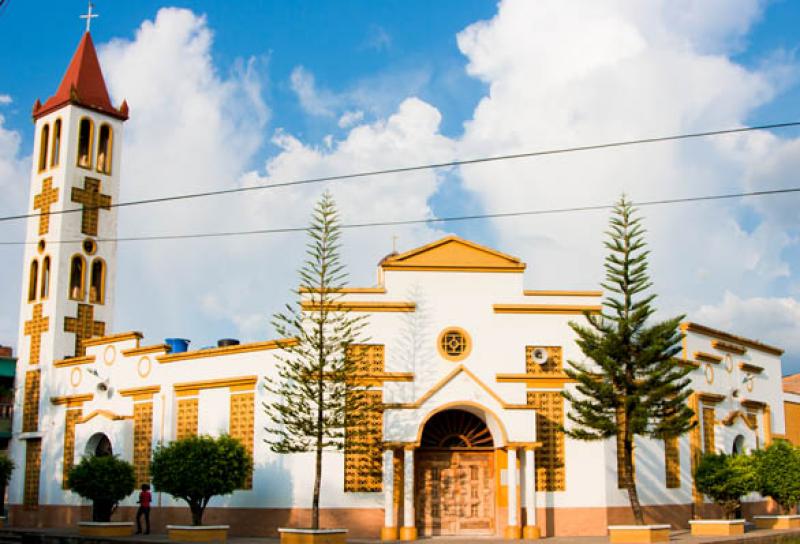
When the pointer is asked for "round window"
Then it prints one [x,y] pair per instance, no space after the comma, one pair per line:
[89,246]
[454,344]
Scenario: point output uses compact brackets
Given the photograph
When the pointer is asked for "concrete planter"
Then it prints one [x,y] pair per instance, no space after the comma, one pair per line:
[644,534]
[105,528]
[312,536]
[198,533]
[777,522]
[717,527]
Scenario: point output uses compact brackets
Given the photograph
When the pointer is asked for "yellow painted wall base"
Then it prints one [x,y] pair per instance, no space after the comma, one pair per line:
[531,532]
[194,535]
[389,533]
[512,532]
[641,535]
[105,530]
[314,538]
[770,522]
[717,529]
[408,533]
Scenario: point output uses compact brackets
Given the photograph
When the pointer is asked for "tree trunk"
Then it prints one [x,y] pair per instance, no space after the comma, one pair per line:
[630,479]
[102,510]
[197,513]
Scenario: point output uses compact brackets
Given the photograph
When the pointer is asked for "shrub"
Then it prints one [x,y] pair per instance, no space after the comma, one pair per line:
[6,468]
[197,468]
[726,478]
[778,469]
[105,481]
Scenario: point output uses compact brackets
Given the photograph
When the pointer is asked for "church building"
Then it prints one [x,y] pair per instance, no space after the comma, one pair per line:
[467,362]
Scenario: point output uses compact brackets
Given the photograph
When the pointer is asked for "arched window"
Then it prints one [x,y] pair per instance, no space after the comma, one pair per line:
[45,292]
[32,279]
[76,278]
[85,129]
[738,445]
[104,149]
[56,153]
[44,141]
[98,281]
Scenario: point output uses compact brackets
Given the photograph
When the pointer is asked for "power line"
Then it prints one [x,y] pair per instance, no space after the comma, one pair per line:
[405,169]
[450,219]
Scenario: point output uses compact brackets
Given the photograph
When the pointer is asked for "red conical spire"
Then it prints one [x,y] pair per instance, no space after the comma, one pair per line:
[82,84]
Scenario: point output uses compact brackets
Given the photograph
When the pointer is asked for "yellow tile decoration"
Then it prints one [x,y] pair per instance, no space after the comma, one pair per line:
[30,408]
[84,326]
[672,462]
[553,366]
[92,200]
[242,424]
[35,328]
[72,416]
[549,406]
[187,418]
[708,430]
[369,358]
[33,467]
[43,201]
[363,455]
[142,440]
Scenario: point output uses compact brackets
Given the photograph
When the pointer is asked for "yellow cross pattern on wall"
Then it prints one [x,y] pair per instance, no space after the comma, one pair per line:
[93,200]
[84,326]
[35,328]
[43,201]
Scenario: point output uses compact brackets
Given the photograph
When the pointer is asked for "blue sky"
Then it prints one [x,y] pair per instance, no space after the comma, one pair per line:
[296,89]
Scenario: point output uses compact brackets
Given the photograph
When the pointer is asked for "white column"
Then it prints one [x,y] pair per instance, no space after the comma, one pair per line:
[511,480]
[389,530]
[408,487]
[388,488]
[530,493]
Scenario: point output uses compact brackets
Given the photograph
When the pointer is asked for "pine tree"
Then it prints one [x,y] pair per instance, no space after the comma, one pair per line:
[317,404]
[633,385]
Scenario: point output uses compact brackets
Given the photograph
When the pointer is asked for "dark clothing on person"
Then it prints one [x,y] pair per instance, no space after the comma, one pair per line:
[144,511]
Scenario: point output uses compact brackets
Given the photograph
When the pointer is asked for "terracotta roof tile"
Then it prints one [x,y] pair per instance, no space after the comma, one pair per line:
[82,84]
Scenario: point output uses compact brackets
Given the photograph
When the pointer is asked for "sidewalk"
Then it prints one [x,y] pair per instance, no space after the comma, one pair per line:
[681,536]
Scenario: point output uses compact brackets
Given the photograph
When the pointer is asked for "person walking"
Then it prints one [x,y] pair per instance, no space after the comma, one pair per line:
[144,510]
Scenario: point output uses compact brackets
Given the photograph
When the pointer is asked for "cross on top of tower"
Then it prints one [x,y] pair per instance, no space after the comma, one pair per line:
[89,16]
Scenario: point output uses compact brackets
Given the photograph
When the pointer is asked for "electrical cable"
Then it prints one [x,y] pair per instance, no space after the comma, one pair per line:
[404,169]
[431,220]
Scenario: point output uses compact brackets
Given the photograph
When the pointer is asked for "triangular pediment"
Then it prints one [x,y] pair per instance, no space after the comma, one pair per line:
[454,254]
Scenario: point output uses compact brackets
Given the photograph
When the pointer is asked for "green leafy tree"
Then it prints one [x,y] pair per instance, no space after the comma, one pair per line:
[633,386]
[778,469]
[316,403]
[105,480]
[196,468]
[726,479]
[6,468]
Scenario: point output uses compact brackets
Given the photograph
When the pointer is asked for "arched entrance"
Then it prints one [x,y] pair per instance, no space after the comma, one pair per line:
[99,445]
[454,478]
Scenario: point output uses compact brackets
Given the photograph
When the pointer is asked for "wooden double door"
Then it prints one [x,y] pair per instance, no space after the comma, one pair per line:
[454,492]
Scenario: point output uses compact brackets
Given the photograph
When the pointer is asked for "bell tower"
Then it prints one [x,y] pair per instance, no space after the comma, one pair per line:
[69,264]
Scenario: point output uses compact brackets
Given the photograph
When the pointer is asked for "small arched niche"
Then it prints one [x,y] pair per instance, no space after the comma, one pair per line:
[85,129]
[738,446]
[99,445]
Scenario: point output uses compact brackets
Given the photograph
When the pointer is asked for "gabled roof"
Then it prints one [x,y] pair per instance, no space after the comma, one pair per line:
[83,85]
[453,254]
[791,383]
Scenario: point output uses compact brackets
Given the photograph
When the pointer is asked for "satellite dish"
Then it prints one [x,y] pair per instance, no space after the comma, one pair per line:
[540,356]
